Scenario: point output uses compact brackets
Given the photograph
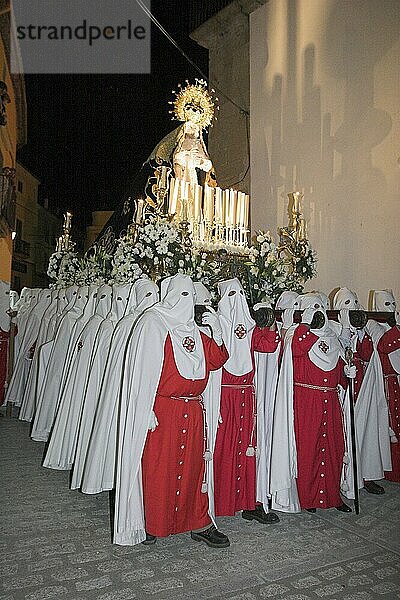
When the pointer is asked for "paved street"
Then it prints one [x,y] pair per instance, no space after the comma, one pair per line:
[55,543]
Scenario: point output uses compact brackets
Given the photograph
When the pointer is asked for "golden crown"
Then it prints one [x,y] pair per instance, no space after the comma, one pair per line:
[194,97]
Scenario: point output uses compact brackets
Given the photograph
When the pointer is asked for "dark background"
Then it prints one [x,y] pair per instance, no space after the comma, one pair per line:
[88,135]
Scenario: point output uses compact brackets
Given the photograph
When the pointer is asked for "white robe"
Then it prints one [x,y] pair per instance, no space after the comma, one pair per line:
[99,468]
[15,391]
[62,443]
[28,404]
[142,371]
[265,381]
[283,473]
[50,388]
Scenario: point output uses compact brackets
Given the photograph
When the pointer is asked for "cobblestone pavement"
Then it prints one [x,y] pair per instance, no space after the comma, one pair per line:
[55,543]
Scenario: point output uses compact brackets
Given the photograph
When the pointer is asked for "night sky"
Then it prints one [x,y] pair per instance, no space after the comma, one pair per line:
[88,135]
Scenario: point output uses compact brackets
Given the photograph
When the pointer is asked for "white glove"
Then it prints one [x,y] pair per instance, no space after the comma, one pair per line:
[397,317]
[350,371]
[153,422]
[211,319]
[287,318]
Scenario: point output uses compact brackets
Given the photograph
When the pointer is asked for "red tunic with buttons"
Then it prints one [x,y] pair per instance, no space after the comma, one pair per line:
[234,471]
[4,340]
[389,342]
[318,425]
[361,358]
[172,462]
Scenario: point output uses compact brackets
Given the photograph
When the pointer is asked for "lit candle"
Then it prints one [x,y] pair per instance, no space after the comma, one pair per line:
[162,182]
[184,189]
[232,207]
[209,204]
[202,231]
[171,197]
[67,220]
[184,199]
[139,211]
[197,202]
[174,199]
[218,205]
[225,219]
[239,217]
[246,211]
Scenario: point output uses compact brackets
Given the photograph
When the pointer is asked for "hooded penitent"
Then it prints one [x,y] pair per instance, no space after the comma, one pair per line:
[308,438]
[15,392]
[237,326]
[62,443]
[99,468]
[386,340]
[172,318]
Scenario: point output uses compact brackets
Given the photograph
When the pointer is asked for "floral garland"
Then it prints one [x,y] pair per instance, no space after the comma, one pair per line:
[159,249]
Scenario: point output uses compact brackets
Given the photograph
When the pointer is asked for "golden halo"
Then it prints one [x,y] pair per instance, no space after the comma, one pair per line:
[194,97]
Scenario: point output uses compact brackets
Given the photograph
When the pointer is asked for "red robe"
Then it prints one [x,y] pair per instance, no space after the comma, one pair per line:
[172,462]
[389,342]
[318,426]
[234,472]
[361,358]
[4,341]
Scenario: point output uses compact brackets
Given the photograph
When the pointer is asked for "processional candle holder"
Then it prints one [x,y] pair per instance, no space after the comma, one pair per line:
[64,242]
[293,238]
[160,190]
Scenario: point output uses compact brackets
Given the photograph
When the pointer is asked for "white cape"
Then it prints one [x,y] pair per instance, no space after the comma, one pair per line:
[266,376]
[283,487]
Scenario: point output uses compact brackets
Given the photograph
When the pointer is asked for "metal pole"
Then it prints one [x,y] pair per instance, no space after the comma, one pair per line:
[349,360]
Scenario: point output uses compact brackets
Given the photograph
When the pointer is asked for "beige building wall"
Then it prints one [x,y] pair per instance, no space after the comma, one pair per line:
[24,255]
[8,146]
[325,118]
[12,134]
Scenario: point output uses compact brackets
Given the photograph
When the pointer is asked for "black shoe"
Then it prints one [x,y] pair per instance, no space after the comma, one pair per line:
[212,537]
[344,508]
[311,510]
[150,539]
[259,514]
[373,488]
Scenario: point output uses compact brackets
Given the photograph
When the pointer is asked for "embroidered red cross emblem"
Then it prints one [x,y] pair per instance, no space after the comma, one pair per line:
[324,347]
[240,331]
[189,344]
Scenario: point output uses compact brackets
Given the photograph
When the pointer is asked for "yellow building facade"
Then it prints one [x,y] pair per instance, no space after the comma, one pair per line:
[12,135]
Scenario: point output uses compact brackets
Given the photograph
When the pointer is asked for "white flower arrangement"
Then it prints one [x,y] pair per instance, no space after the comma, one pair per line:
[63,268]
[269,274]
[158,250]
[94,269]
